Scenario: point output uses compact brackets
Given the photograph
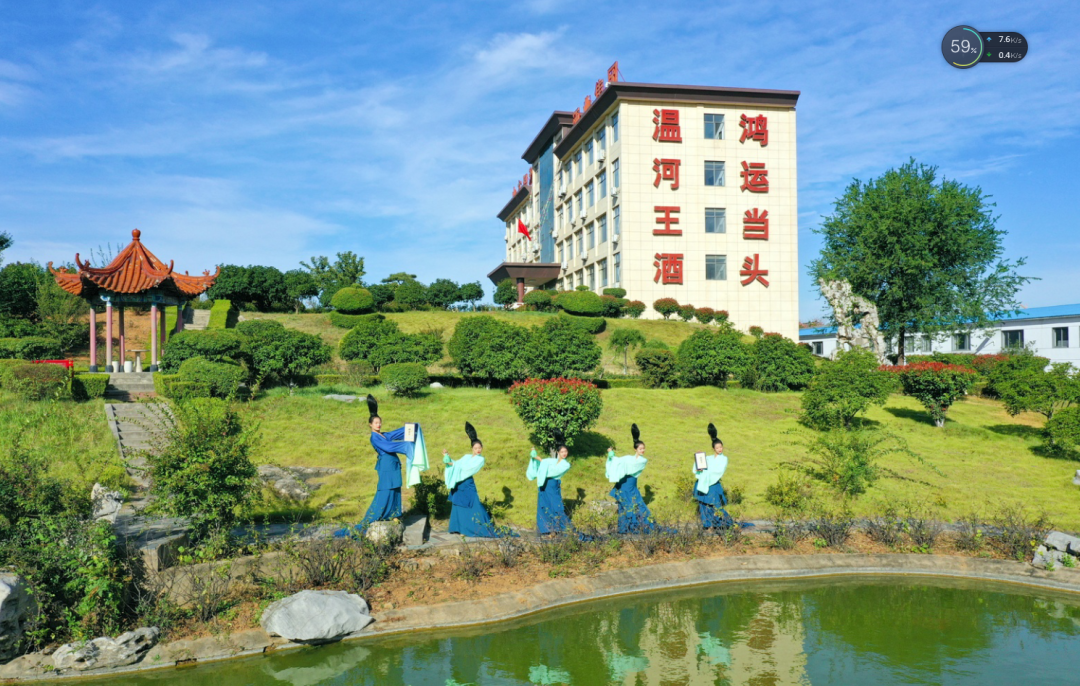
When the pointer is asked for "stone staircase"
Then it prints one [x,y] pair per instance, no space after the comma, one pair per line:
[199,320]
[126,387]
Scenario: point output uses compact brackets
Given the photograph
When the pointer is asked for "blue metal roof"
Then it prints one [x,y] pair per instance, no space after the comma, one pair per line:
[1029,313]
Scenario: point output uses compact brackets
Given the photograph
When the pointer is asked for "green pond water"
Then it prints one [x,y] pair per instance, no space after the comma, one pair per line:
[855,631]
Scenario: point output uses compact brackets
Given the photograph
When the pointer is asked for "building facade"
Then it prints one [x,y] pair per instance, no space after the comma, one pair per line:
[683,192]
[1051,332]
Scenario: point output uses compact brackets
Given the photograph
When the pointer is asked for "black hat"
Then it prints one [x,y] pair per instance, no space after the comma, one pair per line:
[373,407]
[712,435]
[636,433]
[471,433]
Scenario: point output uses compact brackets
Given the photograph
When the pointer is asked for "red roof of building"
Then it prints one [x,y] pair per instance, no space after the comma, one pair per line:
[134,270]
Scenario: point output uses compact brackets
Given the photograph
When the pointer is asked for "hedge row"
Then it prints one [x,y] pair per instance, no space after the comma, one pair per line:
[35,381]
[30,348]
[88,386]
[349,321]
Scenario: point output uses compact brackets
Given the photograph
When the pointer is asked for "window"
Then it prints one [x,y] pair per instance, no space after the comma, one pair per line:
[569,173]
[590,237]
[916,343]
[601,223]
[961,342]
[615,128]
[715,220]
[617,276]
[559,225]
[714,173]
[1061,337]
[580,243]
[601,139]
[615,223]
[580,204]
[562,258]
[590,192]
[589,153]
[603,273]
[1013,339]
[570,209]
[819,349]
[592,277]
[716,267]
[570,248]
[561,182]
[614,174]
[714,126]
[577,162]
[601,181]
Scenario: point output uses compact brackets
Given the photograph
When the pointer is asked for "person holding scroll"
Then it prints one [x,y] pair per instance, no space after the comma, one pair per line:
[709,491]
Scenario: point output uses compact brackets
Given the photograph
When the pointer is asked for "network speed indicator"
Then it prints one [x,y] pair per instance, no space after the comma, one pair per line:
[963,47]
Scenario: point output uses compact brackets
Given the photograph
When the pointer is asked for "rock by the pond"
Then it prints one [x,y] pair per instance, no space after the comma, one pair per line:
[316,616]
[17,607]
[105,652]
[389,532]
[106,504]
[1063,542]
[1046,556]
[31,664]
[436,384]
[341,398]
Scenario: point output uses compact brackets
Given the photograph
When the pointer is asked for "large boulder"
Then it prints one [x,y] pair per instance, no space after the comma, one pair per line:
[105,652]
[316,616]
[1063,542]
[1045,557]
[17,610]
[389,532]
[284,482]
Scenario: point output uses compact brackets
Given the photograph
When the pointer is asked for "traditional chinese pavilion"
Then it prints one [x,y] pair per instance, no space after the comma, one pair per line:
[135,278]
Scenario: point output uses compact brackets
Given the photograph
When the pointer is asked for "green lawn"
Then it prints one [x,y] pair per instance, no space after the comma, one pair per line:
[671,332]
[985,456]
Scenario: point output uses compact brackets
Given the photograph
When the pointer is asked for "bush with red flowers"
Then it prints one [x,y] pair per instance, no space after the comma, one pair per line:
[549,405]
[935,384]
[666,306]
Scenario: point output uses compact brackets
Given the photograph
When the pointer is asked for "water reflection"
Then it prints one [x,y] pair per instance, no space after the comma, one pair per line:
[808,632]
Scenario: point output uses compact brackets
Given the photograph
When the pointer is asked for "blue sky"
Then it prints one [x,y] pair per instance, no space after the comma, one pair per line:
[267,132]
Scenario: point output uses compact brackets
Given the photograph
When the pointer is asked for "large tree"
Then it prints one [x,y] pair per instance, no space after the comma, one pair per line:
[346,270]
[926,252]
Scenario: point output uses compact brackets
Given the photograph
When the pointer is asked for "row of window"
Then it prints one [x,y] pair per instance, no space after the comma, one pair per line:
[595,190]
[586,156]
[587,238]
[588,275]
[961,342]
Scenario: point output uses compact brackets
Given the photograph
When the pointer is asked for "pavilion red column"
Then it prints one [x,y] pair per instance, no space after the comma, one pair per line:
[521,290]
[108,336]
[123,341]
[93,339]
[153,337]
[162,334]
[180,318]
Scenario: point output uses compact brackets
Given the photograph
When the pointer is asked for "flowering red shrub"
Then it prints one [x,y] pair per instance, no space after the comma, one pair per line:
[721,316]
[935,384]
[549,405]
[705,314]
[666,306]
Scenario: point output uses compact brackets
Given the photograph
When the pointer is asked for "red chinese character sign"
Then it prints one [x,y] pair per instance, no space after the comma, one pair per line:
[755,177]
[755,129]
[668,129]
[666,170]
[756,225]
[667,220]
[668,268]
[752,271]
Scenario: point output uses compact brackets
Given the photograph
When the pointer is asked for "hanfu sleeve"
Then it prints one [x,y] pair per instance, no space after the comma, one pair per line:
[534,469]
[467,467]
[707,477]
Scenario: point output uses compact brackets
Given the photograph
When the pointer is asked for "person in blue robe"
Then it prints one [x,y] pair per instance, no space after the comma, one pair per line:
[551,515]
[709,491]
[623,472]
[467,514]
[388,445]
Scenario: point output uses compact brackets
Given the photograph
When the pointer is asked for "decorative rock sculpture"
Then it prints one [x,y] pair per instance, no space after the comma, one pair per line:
[105,652]
[316,616]
[857,322]
[17,607]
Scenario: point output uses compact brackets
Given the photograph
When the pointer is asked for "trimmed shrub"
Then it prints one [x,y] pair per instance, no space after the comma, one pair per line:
[656,344]
[720,316]
[88,386]
[213,345]
[687,312]
[487,349]
[936,385]
[561,347]
[616,292]
[550,405]
[505,292]
[31,348]
[259,327]
[590,325]
[709,357]
[349,321]
[657,368]
[582,303]
[329,379]
[161,383]
[757,331]
[1063,430]
[221,379]
[539,300]
[704,314]
[379,342]
[185,390]
[844,388]
[405,378]
[666,306]
[778,364]
[353,300]
[37,381]
[634,309]
[222,315]
[1033,389]
[612,307]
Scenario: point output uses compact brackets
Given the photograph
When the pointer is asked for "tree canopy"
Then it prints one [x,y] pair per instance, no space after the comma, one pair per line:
[346,270]
[927,253]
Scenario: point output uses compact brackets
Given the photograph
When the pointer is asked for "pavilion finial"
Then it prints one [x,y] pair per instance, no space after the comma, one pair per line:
[135,234]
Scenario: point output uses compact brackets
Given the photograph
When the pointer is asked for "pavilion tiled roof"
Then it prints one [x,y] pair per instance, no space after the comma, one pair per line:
[134,270]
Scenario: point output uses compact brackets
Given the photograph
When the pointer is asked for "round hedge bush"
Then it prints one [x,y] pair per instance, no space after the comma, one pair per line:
[404,378]
[666,306]
[616,292]
[613,307]
[538,300]
[593,325]
[221,378]
[582,303]
[353,300]
[634,309]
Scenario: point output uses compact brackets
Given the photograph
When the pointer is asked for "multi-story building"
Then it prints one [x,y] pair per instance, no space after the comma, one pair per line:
[684,192]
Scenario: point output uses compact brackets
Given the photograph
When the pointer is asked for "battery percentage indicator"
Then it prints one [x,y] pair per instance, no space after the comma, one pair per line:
[963,47]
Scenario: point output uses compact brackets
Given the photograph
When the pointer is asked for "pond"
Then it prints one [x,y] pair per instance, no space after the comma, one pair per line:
[860,631]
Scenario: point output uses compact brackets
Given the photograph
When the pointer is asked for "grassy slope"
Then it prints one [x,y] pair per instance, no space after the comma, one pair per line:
[984,454]
[671,332]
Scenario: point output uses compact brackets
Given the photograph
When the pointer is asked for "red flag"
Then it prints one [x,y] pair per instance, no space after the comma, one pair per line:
[523,229]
